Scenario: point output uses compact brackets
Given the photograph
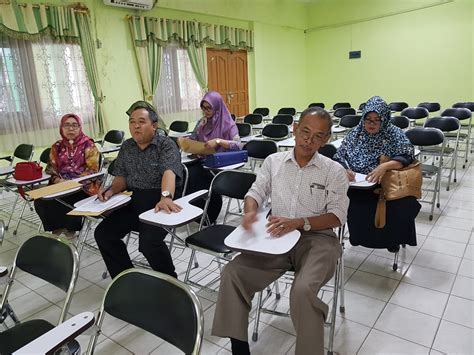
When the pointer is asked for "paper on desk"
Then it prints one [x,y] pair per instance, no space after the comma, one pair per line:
[52,189]
[259,241]
[194,147]
[95,207]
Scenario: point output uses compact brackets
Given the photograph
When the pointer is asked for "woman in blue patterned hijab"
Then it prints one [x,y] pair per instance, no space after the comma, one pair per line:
[375,136]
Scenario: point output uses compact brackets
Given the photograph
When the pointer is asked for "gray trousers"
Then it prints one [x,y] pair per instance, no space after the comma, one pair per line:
[314,260]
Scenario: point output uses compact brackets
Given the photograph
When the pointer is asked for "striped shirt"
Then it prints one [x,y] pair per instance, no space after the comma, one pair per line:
[316,189]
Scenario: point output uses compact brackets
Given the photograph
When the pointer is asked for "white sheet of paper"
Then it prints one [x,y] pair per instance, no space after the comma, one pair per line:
[258,240]
[98,206]
[360,181]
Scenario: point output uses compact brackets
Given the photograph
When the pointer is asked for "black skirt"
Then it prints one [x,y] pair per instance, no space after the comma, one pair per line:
[400,220]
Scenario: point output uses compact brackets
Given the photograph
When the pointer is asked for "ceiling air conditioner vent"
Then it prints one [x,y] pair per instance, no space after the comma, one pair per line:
[132,4]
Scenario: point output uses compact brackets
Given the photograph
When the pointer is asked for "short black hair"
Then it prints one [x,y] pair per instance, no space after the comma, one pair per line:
[317,112]
[152,114]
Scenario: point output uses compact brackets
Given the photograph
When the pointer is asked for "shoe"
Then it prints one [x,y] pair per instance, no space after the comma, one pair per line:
[394,249]
[70,235]
[3,271]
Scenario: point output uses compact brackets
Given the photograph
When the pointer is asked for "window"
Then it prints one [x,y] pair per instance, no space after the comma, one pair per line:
[178,94]
[40,82]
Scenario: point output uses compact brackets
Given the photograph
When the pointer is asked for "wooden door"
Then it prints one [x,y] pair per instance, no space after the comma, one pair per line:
[227,74]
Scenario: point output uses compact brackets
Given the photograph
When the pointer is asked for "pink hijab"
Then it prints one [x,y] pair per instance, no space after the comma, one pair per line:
[221,124]
[71,160]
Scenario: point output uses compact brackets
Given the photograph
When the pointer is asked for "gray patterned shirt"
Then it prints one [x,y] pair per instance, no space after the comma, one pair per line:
[144,169]
[316,189]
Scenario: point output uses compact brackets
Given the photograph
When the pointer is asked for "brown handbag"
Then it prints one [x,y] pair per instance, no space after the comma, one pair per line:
[395,185]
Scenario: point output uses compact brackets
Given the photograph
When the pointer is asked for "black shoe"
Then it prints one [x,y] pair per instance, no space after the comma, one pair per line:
[3,271]
[239,347]
[394,249]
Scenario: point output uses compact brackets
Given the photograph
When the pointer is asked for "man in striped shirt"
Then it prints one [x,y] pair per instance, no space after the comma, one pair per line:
[308,192]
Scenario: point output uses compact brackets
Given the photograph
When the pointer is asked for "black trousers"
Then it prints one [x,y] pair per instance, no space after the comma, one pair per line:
[200,179]
[53,213]
[110,232]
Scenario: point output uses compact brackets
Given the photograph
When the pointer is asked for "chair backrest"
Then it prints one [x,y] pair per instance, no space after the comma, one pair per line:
[400,121]
[260,149]
[316,104]
[415,113]
[53,261]
[287,111]
[328,150]
[430,106]
[110,168]
[468,105]
[350,121]
[114,136]
[2,231]
[264,111]
[422,136]
[344,111]
[460,113]
[445,123]
[244,129]
[163,306]
[253,118]
[44,157]
[283,119]
[398,106]
[275,131]
[24,152]
[340,105]
[232,183]
[179,126]
[362,106]
[161,132]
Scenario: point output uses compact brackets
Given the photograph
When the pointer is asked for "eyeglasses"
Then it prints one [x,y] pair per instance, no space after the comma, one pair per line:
[70,126]
[318,137]
[372,122]
[206,108]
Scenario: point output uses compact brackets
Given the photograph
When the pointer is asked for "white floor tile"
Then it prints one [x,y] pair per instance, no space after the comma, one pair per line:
[361,309]
[137,340]
[420,299]
[107,346]
[467,268]
[437,261]
[353,258]
[382,266]
[50,314]
[458,212]
[444,246]
[88,299]
[455,235]
[464,287]
[384,344]
[29,304]
[270,340]
[371,285]
[429,278]
[469,254]
[454,339]
[407,324]
[423,228]
[453,222]
[349,336]
[460,311]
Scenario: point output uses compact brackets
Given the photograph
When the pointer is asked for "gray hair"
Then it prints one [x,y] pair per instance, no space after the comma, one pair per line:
[316,112]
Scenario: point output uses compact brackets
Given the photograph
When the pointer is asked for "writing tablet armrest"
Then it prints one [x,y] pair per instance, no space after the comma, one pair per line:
[191,197]
[59,335]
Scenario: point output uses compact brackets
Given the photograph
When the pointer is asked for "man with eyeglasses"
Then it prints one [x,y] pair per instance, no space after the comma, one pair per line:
[149,164]
[308,192]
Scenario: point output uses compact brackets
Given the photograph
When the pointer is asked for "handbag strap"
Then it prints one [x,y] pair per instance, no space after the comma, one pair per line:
[381,211]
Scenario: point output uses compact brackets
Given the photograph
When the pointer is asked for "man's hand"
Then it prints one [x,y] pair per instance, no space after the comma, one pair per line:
[377,174]
[104,195]
[212,144]
[249,219]
[278,226]
[166,204]
[350,175]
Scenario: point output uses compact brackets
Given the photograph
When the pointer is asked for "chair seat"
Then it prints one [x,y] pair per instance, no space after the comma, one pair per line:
[428,170]
[21,334]
[435,149]
[212,238]
[338,129]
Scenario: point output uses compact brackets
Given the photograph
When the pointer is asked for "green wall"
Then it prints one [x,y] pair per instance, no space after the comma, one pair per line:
[424,55]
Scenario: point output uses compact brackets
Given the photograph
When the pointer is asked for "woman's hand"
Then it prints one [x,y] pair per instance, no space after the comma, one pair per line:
[57,180]
[350,175]
[104,194]
[249,219]
[377,174]
[212,144]
[166,204]
[278,226]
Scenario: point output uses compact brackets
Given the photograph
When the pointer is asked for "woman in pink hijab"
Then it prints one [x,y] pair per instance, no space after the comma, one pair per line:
[74,155]
[218,130]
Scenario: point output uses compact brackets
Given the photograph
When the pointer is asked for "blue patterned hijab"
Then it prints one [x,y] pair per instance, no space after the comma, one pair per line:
[362,150]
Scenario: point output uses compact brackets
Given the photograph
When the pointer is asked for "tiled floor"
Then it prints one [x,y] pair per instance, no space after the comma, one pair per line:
[426,307]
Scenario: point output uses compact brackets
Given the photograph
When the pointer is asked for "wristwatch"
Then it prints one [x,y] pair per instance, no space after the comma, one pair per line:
[307,225]
[218,141]
[166,194]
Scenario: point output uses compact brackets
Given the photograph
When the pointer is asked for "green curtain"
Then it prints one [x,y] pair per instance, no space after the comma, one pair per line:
[198,59]
[29,22]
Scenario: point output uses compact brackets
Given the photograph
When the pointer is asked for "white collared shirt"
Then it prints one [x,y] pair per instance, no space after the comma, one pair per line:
[316,189]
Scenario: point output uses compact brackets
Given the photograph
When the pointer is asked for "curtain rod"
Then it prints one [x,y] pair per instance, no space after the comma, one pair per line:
[77,8]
